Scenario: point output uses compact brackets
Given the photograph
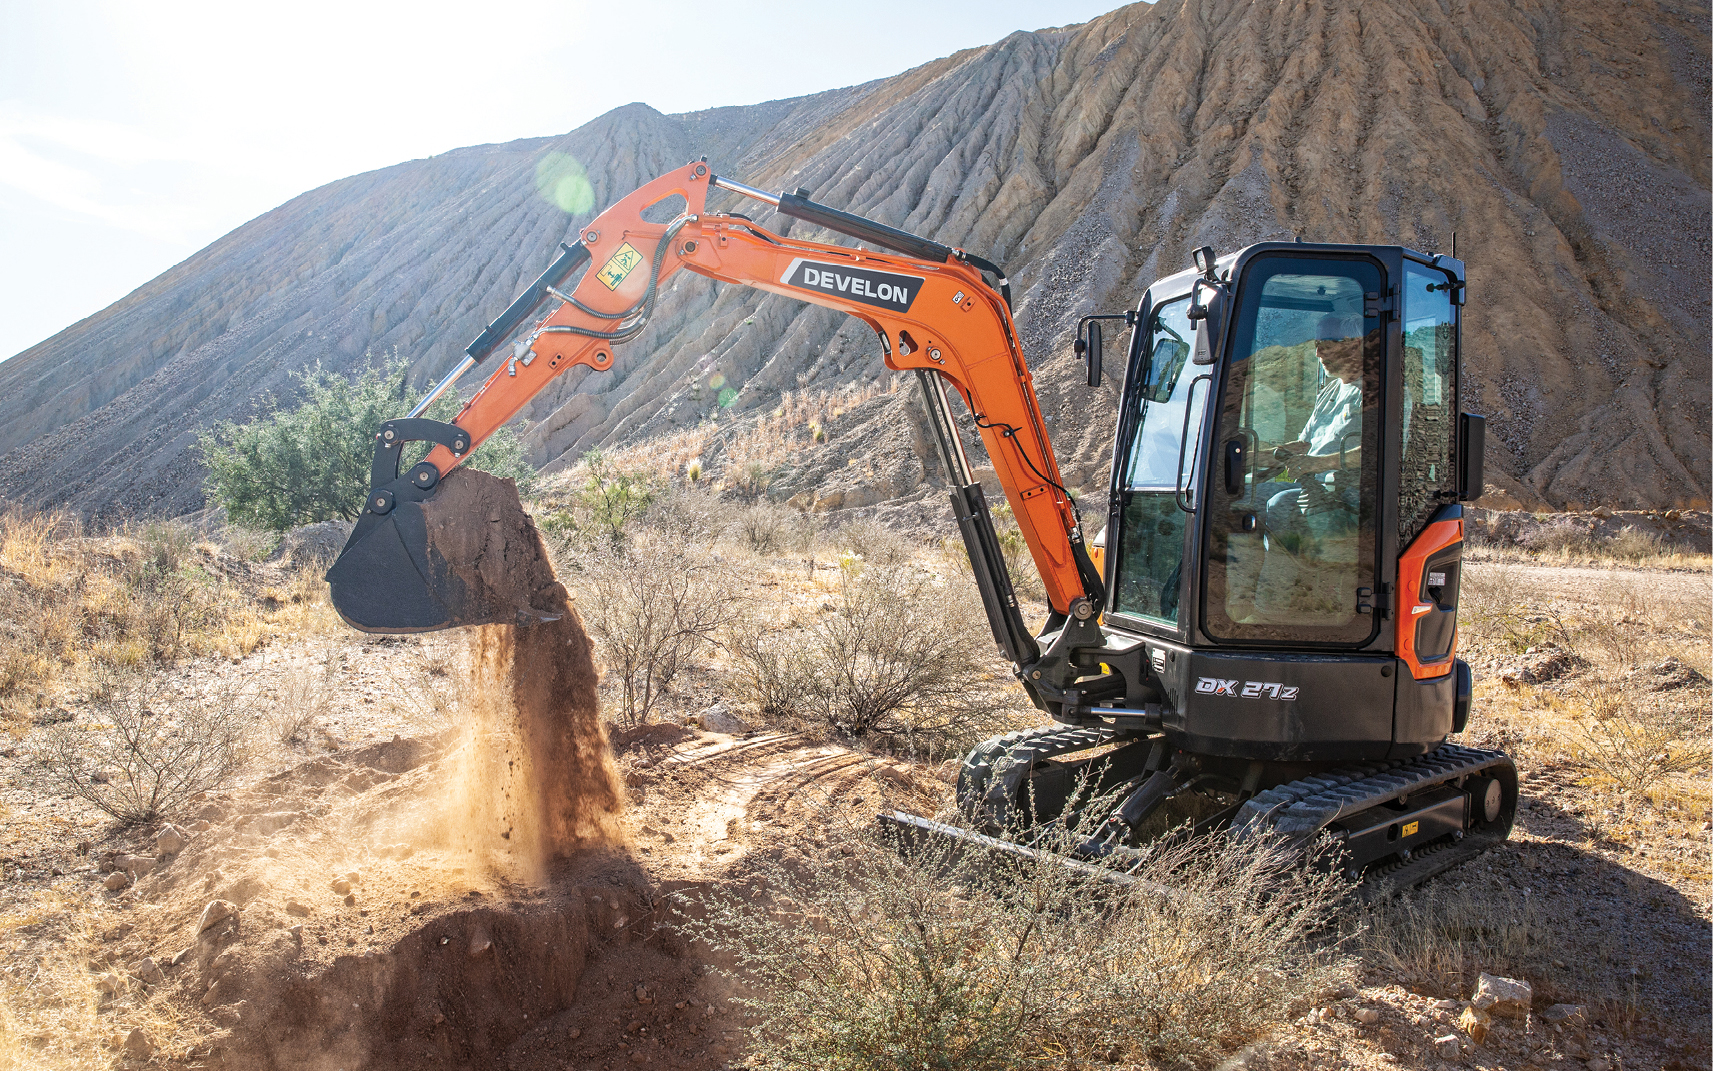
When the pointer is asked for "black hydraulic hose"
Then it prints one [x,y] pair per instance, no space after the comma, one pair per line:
[1009,431]
[643,307]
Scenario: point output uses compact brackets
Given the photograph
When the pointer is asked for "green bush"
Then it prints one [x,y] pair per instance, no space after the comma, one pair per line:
[604,506]
[311,462]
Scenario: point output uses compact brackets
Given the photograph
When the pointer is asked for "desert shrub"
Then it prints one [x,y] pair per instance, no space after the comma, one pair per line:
[651,604]
[899,661]
[311,462]
[771,667]
[874,953]
[689,512]
[297,716]
[604,503]
[1632,746]
[765,527]
[871,541]
[137,760]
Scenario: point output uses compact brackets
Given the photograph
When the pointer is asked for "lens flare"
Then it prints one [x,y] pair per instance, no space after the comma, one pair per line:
[716,381]
[727,396]
[563,183]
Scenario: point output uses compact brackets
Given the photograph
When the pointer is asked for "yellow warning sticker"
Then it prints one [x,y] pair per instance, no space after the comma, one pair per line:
[1410,828]
[623,261]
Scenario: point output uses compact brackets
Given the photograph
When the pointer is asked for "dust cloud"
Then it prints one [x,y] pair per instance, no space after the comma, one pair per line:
[532,776]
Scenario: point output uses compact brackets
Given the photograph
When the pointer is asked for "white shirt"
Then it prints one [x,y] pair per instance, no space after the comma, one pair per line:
[1337,414]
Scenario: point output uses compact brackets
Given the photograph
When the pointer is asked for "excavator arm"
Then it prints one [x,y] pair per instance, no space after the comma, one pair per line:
[937,311]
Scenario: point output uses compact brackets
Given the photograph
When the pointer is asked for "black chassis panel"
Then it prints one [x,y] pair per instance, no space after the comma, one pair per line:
[1240,704]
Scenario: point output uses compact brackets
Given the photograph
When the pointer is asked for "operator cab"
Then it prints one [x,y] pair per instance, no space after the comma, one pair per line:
[1289,430]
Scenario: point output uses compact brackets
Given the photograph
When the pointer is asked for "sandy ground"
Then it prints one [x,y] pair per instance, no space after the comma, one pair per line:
[363,936]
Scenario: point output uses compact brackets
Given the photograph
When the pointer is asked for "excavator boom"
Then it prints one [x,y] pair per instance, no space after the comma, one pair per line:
[937,311]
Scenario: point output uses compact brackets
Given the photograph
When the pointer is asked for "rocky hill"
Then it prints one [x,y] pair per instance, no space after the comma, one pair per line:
[1565,143]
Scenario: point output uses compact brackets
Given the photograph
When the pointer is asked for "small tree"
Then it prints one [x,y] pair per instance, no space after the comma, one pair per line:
[606,504]
[311,462]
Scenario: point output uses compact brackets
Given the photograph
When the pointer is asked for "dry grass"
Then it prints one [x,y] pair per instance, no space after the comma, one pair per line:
[63,1006]
[871,953]
[1442,935]
[139,598]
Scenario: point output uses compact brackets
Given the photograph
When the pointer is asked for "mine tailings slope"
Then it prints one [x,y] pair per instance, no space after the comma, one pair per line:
[1565,143]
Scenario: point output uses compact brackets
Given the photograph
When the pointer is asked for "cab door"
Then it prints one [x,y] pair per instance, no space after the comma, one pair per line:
[1292,489]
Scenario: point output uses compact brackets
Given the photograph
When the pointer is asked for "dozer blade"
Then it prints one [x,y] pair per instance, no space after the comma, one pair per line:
[467,554]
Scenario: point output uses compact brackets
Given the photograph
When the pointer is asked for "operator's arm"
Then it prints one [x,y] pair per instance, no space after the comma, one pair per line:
[938,316]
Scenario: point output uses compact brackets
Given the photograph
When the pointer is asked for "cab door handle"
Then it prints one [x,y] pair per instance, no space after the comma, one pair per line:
[1236,465]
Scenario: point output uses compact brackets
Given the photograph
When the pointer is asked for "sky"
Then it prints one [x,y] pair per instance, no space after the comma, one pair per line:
[132,135]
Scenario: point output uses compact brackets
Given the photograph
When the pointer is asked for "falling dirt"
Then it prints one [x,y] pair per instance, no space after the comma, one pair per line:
[534,774]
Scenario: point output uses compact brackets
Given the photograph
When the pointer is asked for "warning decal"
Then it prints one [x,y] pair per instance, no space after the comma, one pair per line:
[623,261]
[883,289]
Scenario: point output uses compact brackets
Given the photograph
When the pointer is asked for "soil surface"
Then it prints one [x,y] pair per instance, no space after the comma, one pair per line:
[359,906]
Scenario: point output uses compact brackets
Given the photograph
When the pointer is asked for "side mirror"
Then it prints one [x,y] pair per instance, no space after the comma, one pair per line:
[1471,456]
[1094,355]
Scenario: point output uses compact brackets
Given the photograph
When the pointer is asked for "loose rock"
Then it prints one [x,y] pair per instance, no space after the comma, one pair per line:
[296,910]
[148,971]
[138,1045]
[1368,1016]
[1448,1046]
[116,881]
[1564,1013]
[719,719]
[216,912]
[1475,1023]
[171,840]
[1506,997]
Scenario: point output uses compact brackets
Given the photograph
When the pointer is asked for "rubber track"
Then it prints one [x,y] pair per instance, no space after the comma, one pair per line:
[1300,809]
[1011,757]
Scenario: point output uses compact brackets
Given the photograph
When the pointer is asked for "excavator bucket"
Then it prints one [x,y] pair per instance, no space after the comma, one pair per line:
[467,554]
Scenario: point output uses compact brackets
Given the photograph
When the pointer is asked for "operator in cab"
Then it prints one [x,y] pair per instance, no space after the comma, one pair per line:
[1331,438]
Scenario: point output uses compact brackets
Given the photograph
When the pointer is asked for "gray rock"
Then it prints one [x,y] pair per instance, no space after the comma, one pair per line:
[135,865]
[148,971]
[1508,998]
[719,719]
[138,1046]
[1564,1013]
[171,840]
[1449,1046]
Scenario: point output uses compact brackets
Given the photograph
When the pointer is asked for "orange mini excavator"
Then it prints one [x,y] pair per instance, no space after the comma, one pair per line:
[1266,636]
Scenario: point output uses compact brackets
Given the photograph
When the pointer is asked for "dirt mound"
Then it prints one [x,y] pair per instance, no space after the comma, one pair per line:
[370,912]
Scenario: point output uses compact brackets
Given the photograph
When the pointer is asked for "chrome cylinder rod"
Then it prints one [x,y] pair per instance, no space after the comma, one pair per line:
[443,386]
[747,191]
